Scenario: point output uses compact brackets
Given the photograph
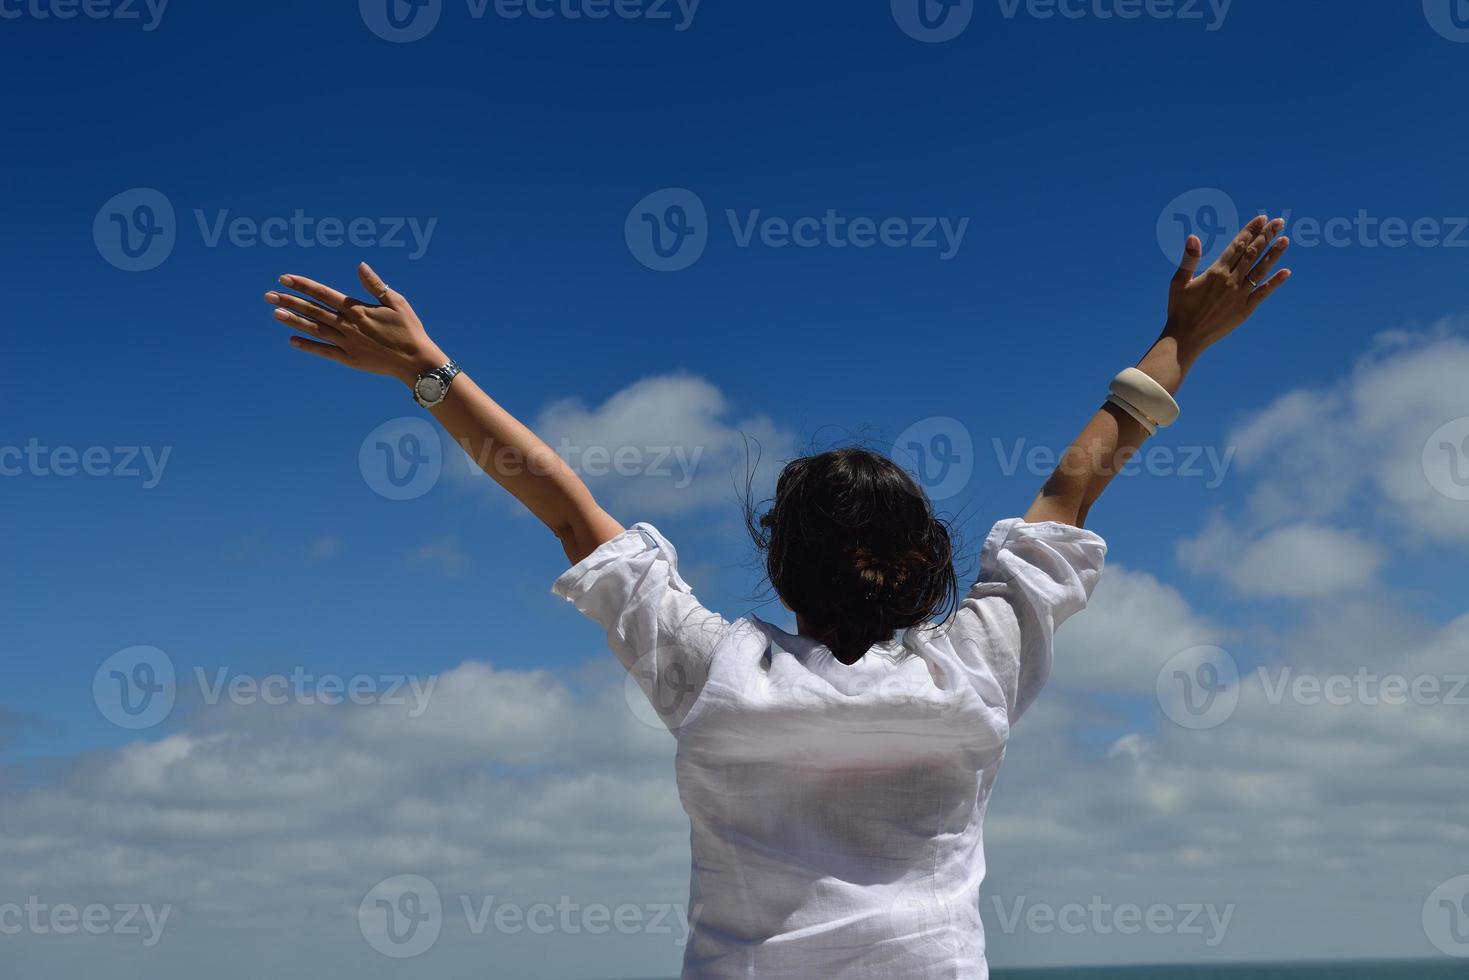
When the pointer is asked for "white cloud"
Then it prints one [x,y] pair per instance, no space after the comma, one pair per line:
[1299,561]
[1133,625]
[1358,447]
[1325,825]
[1370,451]
[663,445]
[263,826]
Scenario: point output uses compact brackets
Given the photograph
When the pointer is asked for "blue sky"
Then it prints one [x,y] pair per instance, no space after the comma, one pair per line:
[519,146]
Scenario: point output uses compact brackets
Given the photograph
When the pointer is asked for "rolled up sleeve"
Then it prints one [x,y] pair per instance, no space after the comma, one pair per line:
[1032,578]
[657,628]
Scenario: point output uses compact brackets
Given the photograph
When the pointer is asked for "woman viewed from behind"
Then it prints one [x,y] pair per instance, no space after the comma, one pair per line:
[835,778]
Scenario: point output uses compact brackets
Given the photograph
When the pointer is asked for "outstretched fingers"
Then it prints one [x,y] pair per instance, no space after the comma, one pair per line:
[320,350]
[325,295]
[305,316]
[1267,287]
[1260,273]
[1250,254]
[304,324]
[1242,241]
[304,308]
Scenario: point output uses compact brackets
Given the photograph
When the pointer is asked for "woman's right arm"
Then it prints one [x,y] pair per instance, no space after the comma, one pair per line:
[389,339]
[525,466]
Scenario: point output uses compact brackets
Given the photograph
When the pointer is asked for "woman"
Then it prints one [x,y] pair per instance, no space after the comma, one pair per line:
[836,778]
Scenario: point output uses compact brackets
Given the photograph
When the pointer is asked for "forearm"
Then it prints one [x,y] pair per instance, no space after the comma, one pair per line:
[518,460]
[1107,442]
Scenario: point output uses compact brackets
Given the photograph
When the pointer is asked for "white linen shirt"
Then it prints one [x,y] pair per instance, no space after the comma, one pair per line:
[837,811]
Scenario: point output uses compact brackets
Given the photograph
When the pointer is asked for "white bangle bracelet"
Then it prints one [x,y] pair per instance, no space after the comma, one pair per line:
[1136,390]
[1142,420]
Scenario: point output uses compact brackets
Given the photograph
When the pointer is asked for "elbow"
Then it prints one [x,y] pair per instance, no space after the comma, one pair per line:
[576,540]
[566,534]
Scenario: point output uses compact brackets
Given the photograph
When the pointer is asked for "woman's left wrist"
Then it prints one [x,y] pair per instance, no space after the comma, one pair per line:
[1169,361]
[1189,346]
[419,364]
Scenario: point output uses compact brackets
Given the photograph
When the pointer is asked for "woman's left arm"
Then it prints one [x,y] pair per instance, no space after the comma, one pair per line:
[1202,310]
[388,338]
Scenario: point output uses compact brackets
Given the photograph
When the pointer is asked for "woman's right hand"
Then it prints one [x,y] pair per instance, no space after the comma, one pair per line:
[386,338]
[1204,309]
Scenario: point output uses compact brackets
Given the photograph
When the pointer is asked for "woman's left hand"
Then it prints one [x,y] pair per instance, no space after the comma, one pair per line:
[1204,309]
[383,338]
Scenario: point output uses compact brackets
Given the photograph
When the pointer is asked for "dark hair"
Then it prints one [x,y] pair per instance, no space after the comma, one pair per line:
[853,547]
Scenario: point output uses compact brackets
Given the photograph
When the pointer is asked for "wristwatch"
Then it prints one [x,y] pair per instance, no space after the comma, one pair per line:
[432,387]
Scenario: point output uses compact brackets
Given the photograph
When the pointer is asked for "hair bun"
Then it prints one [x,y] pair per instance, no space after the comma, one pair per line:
[852,545]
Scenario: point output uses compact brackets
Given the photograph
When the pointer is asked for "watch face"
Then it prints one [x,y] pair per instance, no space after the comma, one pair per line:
[430,389]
